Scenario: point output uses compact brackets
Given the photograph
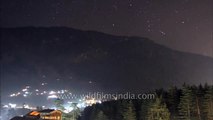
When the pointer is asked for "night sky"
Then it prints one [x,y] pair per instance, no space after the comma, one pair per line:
[184,25]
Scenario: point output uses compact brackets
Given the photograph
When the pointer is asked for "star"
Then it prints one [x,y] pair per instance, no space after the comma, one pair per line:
[196,28]
[53,18]
[149,30]
[43,76]
[56,12]
[176,11]
[162,33]
[115,7]
[28,15]
[149,26]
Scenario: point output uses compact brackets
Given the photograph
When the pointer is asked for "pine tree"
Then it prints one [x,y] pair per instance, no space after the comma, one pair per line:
[93,113]
[197,95]
[119,110]
[59,104]
[173,99]
[158,111]
[128,111]
[100,115]
[144,109]
[186,103]
[87,113]
[76,111]
[208,104]
[201,95]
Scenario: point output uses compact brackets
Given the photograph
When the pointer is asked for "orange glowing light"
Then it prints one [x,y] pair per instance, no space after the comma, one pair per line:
[34,113]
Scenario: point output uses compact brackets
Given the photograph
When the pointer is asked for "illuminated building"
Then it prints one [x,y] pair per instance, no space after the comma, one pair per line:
[51,114]
[47,114]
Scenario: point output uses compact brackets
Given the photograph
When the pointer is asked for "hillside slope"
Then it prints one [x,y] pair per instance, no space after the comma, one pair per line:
[88,60]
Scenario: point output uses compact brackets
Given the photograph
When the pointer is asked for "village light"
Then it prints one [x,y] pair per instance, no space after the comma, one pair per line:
[12,105]
[52,92]
[52,96]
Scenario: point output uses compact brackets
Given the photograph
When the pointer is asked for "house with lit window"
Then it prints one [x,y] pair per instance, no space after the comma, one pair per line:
[50,114]
[47,114]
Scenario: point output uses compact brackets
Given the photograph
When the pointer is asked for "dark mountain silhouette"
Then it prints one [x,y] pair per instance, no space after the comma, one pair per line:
[91,60]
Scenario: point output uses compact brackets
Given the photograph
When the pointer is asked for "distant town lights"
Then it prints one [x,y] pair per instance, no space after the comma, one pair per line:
[52,92]
[12,105]
[62,91]
[52,96]
[5,106]
[26,106]
[68,109]
[12,95]
[24,90]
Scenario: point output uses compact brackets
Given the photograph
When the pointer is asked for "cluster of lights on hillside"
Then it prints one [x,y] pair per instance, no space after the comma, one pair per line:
[66,95]
[28,91]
